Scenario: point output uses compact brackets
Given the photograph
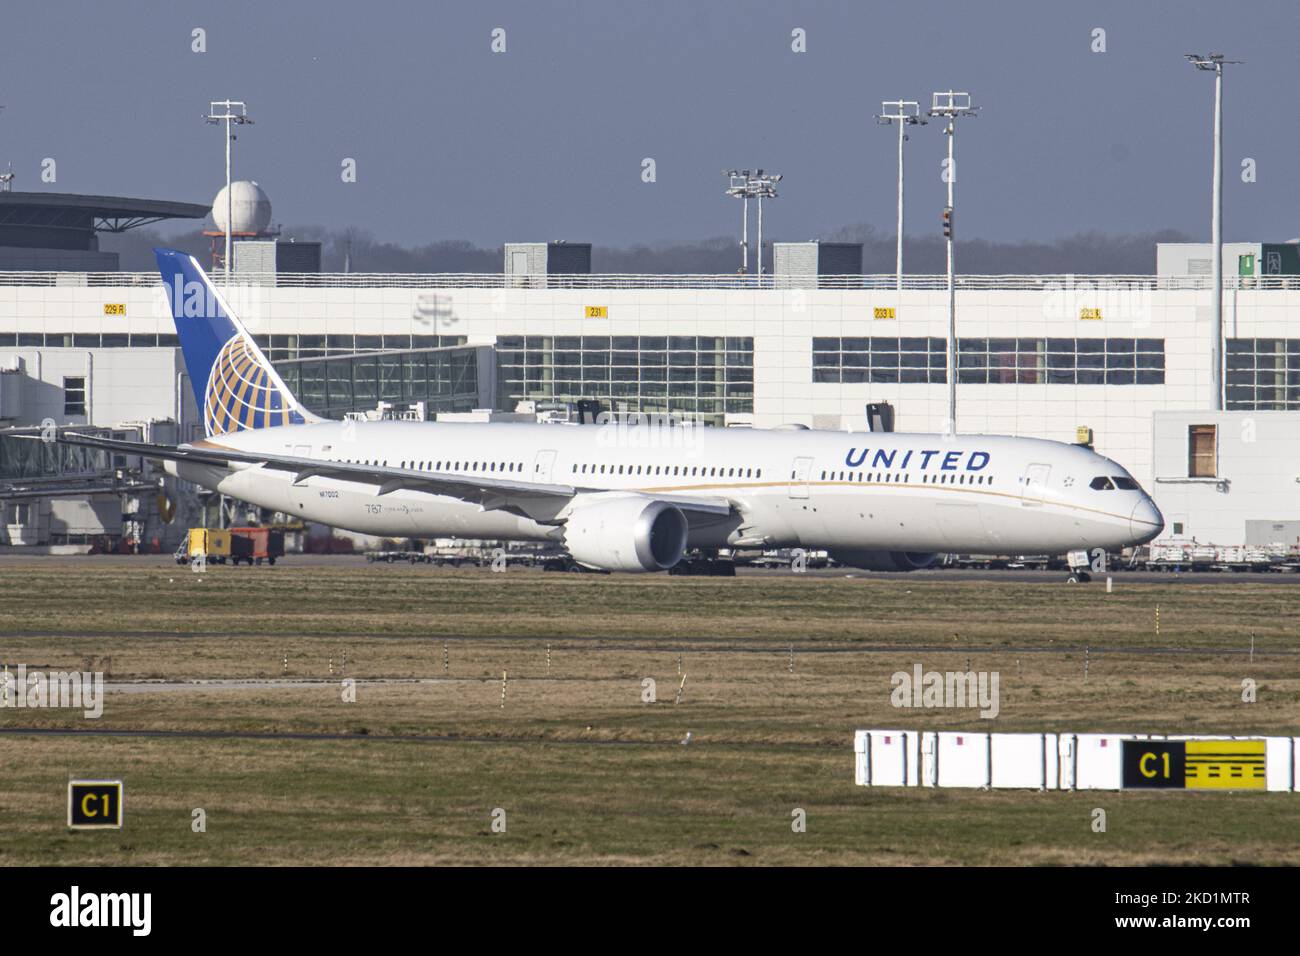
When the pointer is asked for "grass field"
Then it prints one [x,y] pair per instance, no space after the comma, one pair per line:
[779,672]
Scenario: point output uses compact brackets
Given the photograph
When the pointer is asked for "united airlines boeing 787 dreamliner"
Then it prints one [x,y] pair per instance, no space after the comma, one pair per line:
[874,500]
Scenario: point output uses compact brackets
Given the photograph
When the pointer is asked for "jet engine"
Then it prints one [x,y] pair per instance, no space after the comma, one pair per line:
[886,560]
[629,533]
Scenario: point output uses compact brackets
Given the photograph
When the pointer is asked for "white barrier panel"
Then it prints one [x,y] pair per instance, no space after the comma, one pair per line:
[1022,760]
[1097,761]
[888,758]
[895,758]
[860,775]
[961,760]
[1279,763]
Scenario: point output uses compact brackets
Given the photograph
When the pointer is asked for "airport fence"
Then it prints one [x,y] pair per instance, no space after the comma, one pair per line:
[483,280]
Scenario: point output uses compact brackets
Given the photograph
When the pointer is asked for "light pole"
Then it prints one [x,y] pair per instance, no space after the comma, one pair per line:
[764,187]
[228,112]
[1216,62]
[7,177]
[950,105]
[905,113]
[736,188]
[747,184]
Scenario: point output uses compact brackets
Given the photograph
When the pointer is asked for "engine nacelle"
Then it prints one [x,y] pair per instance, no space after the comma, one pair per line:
[886,560]
[626,533]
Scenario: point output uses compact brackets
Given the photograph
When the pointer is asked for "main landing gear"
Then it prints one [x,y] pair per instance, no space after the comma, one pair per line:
[704,567]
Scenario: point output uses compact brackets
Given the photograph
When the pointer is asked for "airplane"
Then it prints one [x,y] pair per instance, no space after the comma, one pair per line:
[628,497]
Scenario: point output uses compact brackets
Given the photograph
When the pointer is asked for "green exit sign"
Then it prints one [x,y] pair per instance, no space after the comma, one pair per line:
[1246,264]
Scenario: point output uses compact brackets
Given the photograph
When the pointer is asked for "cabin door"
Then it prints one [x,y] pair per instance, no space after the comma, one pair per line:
[799,472]
[1034,484]
[543,465]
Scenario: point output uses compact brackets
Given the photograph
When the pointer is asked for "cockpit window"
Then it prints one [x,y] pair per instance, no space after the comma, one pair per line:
[1101,483]
[1125,484]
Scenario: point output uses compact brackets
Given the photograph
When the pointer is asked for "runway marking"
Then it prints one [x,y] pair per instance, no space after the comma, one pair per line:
[641,643]
[304,736]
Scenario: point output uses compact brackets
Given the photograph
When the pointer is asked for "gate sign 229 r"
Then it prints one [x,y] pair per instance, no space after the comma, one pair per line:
[1193,764]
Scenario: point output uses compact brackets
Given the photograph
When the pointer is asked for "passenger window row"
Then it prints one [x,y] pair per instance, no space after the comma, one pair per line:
[517,468]
[674,471]
[462,467]
[882,477]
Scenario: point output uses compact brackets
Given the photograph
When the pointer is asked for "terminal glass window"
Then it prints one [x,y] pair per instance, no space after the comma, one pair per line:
[1061,361]
[287,348]
[74,396]
[991,361]
[1263,374]
[695,377]
[445,379]
[852,359]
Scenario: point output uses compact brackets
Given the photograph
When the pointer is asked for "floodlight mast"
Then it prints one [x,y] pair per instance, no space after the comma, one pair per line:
[736,179]
[764,187]
[228,111]
[1215,62]
[950,104]
[7,177]
[747,184]
[905,113]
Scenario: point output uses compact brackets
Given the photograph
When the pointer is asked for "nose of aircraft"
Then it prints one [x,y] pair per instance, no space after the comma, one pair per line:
[1146,521]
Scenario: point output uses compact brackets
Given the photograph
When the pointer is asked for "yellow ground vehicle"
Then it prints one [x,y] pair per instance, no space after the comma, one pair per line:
[212,543]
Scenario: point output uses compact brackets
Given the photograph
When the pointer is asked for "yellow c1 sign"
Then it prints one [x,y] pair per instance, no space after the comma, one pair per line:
[95,804]
[597,312]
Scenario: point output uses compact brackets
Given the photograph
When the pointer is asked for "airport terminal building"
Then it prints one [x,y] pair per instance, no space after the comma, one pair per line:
[1061,357]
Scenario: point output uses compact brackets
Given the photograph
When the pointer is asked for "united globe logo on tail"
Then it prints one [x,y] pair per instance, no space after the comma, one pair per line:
[241,393]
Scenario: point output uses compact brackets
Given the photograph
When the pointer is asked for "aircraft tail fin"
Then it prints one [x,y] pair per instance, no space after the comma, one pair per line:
[235,386]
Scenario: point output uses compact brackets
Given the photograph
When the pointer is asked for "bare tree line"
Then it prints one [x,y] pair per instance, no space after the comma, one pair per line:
[359,251]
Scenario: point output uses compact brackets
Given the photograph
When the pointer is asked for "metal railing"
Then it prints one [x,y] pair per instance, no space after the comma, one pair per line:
[484,280]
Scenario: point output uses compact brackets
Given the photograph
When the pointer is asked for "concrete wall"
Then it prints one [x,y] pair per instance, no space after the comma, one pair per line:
[536,252]
[794,265]
[1258,470]
[1177,258]
[122,385]
[254,255]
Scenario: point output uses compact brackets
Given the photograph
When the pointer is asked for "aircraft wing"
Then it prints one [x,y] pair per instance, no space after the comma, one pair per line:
[488,492]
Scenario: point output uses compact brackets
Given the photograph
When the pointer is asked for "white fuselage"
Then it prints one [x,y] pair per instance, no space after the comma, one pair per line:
[812,489]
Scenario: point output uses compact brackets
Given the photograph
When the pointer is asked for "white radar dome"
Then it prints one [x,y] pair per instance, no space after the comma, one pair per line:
[250,208]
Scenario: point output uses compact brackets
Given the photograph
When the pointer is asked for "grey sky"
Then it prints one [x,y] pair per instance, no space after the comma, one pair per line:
[546,140]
